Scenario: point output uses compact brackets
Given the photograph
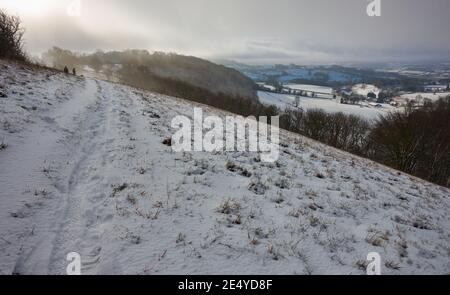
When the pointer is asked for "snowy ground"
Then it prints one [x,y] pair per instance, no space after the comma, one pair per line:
[83,169]
[329,105]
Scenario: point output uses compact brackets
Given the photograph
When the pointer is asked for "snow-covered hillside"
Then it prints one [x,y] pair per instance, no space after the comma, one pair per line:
[84,169]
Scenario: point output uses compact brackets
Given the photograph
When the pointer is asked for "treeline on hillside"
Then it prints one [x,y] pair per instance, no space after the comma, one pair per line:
[197,72]
[142,77]
[416,141]
[11,37]
[347,132]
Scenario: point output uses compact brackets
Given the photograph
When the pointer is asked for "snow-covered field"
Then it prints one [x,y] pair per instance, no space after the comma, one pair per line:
[427,95]
[83,169]
[329,105]
[312,88]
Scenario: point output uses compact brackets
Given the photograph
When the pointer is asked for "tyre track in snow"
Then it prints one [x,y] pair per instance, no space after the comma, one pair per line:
[79,126]
[37,161]
[87,206]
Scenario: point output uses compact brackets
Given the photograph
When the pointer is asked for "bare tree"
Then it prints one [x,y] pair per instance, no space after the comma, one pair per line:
[11,37]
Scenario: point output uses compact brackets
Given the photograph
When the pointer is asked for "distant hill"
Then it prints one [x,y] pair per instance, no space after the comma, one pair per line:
[332,75]
[158,71]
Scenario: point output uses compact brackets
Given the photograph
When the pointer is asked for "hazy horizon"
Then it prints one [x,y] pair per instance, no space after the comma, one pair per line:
[251,32]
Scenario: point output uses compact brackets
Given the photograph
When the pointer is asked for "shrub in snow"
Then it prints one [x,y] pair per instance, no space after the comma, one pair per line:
[167,141]
[283,183]
[229,207]
[257,187]
[230,166]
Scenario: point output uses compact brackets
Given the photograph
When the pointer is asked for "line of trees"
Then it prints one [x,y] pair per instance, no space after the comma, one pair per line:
[416,141]
[142,77]
[191,70]
[347,132]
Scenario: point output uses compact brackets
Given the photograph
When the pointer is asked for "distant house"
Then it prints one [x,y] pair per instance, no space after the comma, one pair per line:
[266,87]
[435,88]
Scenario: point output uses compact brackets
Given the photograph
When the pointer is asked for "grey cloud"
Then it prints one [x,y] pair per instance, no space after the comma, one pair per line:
[301,31]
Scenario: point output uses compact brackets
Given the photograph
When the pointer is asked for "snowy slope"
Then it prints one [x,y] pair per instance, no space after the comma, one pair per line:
[85,170]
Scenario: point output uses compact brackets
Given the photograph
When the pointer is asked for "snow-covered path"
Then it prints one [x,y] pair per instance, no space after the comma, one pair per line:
[83,181]
[65,160]
[50,156]
[85,171]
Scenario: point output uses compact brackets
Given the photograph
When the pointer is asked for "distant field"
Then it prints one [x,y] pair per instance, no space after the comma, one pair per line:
[329,105]
[428,95]
[313,88]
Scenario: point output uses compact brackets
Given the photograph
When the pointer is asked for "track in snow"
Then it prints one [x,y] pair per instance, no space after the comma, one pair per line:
[60,154]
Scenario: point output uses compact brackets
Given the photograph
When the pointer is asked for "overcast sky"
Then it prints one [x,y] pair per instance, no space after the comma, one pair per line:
[251,31]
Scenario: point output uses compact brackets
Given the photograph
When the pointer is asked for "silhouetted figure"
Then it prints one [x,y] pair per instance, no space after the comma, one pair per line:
[66,70]
[74,72]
